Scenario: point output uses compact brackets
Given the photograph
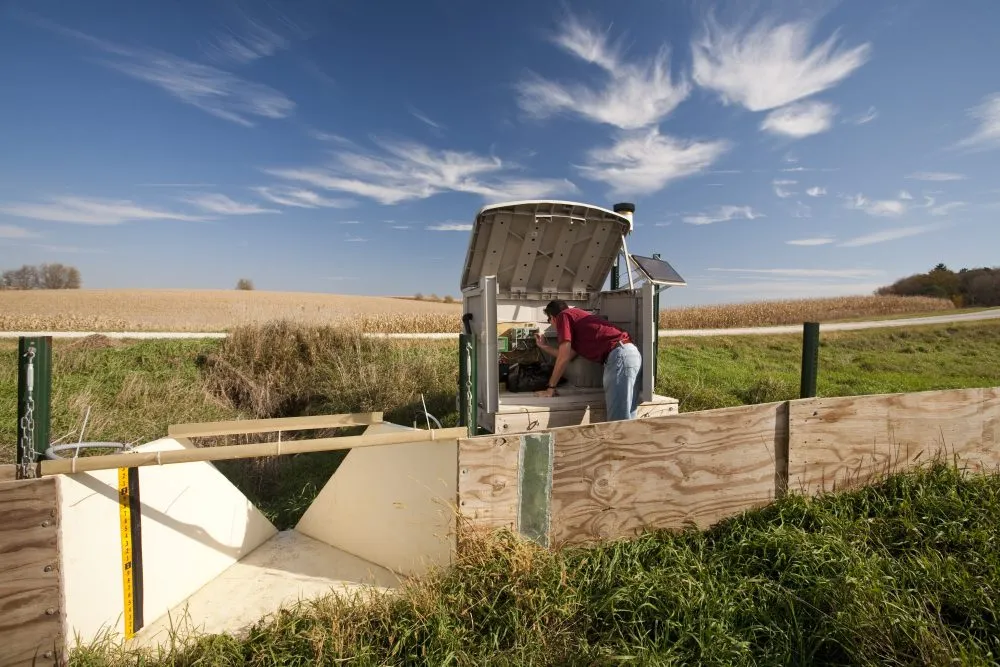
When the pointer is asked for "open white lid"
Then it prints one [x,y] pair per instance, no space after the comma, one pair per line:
[544,249]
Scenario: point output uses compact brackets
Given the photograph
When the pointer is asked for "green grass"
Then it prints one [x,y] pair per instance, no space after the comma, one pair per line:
[705,373]
[903,572]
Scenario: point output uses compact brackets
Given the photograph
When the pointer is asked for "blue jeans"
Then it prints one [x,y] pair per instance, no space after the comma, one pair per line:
[622,382]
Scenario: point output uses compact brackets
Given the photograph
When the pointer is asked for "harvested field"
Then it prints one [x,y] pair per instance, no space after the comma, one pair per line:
[223,310]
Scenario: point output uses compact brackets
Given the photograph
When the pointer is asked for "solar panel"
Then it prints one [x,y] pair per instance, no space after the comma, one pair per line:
[658,271]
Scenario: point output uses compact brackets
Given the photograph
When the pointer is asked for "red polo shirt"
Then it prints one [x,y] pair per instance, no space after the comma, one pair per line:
[592,337]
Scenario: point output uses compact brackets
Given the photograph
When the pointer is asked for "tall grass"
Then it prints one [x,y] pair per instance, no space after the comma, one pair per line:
[903,572]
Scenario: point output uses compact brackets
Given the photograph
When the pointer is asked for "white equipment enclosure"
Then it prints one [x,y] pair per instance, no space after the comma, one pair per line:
[521,256]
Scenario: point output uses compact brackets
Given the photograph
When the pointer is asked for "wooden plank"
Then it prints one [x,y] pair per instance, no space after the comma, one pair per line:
[842,442]
[8,472]
[240,426]
[31,610]
[487,481]
[538,418]
[228,452]
[613,479]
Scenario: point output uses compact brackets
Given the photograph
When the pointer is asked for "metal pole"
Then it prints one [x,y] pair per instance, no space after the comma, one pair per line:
[463,379]
[656,327]
[34,391]
[810,359]
[614,274]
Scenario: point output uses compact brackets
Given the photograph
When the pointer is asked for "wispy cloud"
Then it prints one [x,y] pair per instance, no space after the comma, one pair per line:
[91,211]
[223,205]
[451,227]
[405,171]
[802,210]
[635,94]
[945,209]
[248,40]
[779,187]
[642,163]
[811,242]
[14,232]
[70,249]
[816,191]
[801,119]
[210,89]
[723,214]
[768,65]
[935,176]
[423,118]
[889,235]
[301,198]
[987,135]
[903,194]
[350,238]
[866,117]
[176,185]
[878,208]
[811,273]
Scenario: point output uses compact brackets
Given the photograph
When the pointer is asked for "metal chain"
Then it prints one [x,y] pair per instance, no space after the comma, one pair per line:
[27,443]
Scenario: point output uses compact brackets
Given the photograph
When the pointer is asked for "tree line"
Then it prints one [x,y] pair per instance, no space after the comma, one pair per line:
[44,276]
[965,288]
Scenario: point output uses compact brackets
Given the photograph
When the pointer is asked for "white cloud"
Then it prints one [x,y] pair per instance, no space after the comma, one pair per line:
[350,222]
[354,239]
[777,289]
[91,211]
[423,118]
[866,117]
[407,171]
[779,190]
[801,210]
[301,198]
[879,208]
[223,205]
[14,232]
[903,194]
[635,95]
[935,176]
[987,135]
[642,163]
[451,227]
[255,40]
[889,235]
[816,191]
[810,242]
[799,120]
[723,214]
[212,90]
[811,273]
[766,66]
[945,209]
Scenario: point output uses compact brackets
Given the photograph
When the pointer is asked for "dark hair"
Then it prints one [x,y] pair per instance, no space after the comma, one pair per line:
[554,308]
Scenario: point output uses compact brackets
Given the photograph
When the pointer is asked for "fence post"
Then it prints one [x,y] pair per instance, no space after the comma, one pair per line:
[810,359]
[656,327]
[34,392]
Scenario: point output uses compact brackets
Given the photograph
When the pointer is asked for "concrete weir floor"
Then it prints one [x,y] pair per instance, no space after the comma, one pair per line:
[287,568]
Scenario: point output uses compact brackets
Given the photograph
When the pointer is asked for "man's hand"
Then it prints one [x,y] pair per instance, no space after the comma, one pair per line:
[548,393]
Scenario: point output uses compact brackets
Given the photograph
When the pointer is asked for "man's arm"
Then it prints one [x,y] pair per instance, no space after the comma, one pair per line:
[563,356]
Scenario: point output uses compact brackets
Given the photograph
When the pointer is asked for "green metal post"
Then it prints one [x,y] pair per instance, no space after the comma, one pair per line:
[656,327]
[34,392]
[614,273]
[473,386]
[810,359]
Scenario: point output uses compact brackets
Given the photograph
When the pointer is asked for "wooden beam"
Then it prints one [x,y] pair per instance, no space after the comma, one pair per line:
[31,610]
[614,479]
[842,442]
[229,452]
[240,426]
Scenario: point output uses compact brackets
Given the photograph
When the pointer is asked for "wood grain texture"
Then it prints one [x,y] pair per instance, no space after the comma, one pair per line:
[31,618]
[241,426]
[837,443]
[8,472]
[487,481]
[615,479]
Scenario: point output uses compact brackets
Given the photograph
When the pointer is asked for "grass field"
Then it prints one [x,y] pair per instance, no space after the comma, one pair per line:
[906,572]
[224,310]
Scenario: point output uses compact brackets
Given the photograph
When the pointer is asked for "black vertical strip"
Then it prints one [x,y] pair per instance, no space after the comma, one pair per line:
[135,516]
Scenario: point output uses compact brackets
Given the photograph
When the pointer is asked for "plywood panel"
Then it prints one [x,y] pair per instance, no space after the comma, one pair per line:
[841,442]
[195,524]
[8,472]
[615,478]
[392,505]
[487,481]
[31,610]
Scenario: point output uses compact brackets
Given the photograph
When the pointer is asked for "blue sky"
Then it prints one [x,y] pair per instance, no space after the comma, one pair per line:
[796,149]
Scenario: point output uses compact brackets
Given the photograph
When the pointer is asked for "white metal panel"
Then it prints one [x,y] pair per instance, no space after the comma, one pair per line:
[647,325]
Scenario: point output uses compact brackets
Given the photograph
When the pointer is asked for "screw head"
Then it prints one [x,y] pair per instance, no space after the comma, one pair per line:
[48,568]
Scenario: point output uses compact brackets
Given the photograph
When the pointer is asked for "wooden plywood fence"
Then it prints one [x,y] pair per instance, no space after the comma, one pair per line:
[580,484]
[31,609]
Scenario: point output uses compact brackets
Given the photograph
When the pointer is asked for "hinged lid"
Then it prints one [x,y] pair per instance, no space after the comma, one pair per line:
[544,249]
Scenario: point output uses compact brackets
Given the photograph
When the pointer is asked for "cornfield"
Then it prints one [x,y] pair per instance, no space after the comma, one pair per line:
[207,311]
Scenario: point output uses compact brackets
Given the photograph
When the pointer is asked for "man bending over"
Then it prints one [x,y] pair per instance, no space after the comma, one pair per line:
[601,342]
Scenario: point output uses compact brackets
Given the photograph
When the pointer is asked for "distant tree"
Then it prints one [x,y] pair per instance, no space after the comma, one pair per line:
[968,287]
[25,277]
[59,276]
[449,299]
[244,284]
[418,296]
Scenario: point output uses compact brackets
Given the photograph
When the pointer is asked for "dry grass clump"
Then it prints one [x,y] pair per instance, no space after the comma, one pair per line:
[796,311]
